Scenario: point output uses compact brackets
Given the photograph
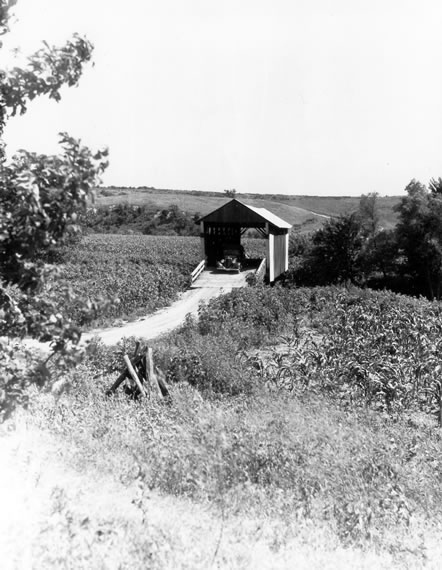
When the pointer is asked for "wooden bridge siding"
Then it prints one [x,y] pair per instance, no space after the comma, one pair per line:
[280,254]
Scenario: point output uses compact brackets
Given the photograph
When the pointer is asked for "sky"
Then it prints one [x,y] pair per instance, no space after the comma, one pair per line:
[319,97]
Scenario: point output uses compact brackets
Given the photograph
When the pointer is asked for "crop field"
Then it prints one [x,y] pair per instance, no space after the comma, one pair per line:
[382,349]
[144,273]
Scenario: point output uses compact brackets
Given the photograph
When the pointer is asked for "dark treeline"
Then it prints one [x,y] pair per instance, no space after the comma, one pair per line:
[126,218]
[354,249]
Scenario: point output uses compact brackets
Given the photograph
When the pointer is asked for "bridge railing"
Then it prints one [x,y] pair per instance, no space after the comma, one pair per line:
[197,271]
[261,271]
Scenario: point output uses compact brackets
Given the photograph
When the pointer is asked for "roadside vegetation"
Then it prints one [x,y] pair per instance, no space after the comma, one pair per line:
[298,410]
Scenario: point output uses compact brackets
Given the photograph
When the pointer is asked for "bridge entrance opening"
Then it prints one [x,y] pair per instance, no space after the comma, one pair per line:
[222,229]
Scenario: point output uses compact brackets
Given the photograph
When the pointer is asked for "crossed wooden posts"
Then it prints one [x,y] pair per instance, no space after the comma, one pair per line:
[141,370]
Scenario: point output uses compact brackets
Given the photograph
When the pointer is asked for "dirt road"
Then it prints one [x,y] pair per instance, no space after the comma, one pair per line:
[161,322]
[209,285]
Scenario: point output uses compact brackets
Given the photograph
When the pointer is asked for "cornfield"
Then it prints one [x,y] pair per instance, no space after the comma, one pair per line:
[379,348]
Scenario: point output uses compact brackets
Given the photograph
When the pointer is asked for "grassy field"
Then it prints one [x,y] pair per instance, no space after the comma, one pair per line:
[300,434]
[295,209]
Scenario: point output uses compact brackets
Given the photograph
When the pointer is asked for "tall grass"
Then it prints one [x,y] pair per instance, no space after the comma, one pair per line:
[322,454]
[368,479]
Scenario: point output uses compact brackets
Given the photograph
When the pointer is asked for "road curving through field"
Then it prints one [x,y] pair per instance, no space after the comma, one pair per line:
[161,322]
[210,284]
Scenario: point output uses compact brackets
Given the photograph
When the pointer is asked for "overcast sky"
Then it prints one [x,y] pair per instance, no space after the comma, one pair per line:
[325,97]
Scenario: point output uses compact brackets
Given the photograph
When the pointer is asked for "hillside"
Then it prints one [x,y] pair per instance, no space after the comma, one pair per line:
[306,212]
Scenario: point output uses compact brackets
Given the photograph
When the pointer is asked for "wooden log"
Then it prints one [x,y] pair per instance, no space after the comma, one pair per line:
[137,348]
[162,384]
[153,380]
[124,374]
[117,382]
[134,375]
[142,369]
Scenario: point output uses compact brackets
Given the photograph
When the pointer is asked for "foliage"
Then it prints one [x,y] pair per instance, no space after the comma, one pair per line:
[379,349]
[122,218]
[40,197]
[368,213]
[419,236]
[380,254]
[143,272]
[250,316]
[39,200]
[45,73]
[435,186]
[308,409]
[359,346]
[334,254]
[299,244]
[208,365]
[173,221]
[210,353]
[406,259]
[125,218]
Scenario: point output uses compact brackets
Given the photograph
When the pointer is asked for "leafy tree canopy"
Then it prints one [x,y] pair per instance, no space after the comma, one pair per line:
[419,235]
[40,198]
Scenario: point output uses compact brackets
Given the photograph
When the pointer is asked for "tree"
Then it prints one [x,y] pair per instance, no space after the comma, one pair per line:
[230,193]
[435,186]
[40,198]
[369,213]
[333,256]
[419,237]
[382,263]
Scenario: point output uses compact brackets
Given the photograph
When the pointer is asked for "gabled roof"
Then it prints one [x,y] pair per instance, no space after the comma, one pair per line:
[270,217]
[238,212]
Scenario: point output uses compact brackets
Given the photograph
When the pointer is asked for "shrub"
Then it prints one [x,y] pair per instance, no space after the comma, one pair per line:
[205,362]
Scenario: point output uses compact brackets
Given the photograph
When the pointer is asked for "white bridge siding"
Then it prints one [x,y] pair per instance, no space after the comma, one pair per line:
[277,254]
[281,253]
[270,257]
[286,252]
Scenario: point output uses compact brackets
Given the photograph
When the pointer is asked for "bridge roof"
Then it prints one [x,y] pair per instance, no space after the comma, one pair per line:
[236,212]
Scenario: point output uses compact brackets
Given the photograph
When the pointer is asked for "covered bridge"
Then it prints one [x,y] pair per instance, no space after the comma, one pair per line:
[221,231]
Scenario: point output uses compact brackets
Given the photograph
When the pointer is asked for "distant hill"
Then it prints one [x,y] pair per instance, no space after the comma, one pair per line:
[304,212]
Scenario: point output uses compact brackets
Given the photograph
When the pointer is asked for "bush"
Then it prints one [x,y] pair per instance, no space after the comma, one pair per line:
[250,316]
[209,365]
